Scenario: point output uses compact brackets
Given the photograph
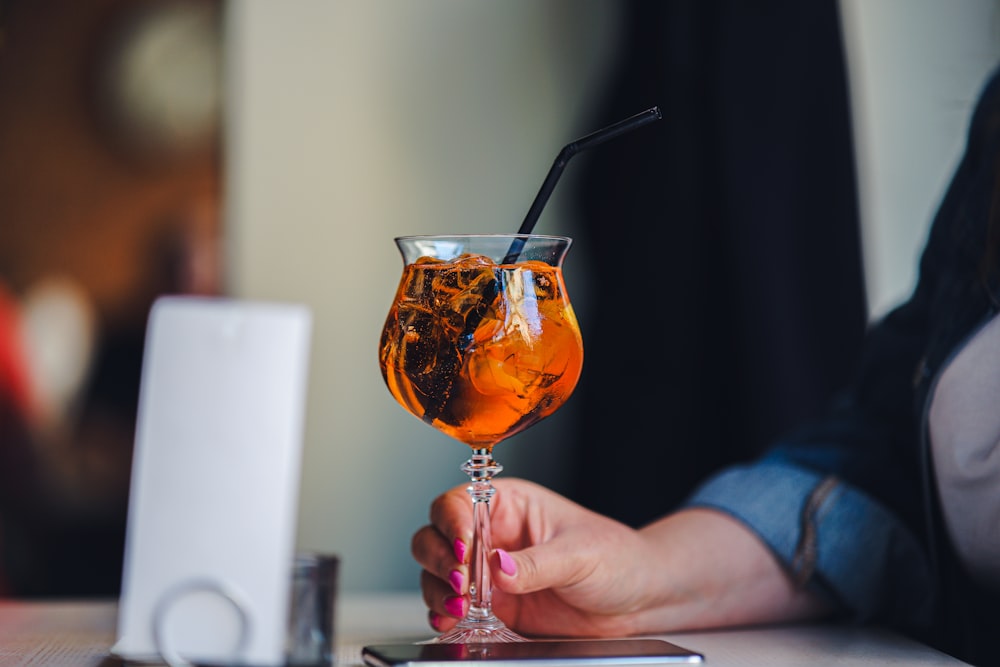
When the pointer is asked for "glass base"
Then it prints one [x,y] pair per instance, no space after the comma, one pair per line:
[489,629]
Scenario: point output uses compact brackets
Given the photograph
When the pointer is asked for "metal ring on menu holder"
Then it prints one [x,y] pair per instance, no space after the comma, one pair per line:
[168,599]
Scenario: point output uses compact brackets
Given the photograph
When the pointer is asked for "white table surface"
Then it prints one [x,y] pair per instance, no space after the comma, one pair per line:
[79,634]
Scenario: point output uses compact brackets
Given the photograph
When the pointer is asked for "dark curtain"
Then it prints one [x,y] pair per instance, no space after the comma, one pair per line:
[721,247]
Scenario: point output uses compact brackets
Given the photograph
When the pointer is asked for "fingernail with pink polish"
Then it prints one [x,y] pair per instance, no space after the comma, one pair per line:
[456,579]
[455,606]
[507,565]
[459,547]
[434,619]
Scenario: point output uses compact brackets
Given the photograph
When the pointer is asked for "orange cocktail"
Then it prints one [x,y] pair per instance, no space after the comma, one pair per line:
[479,350]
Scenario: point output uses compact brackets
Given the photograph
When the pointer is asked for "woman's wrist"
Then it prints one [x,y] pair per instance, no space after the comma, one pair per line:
[713,571]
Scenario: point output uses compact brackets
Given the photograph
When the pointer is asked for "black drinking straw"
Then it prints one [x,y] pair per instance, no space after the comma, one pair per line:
[555,172]
[571,149]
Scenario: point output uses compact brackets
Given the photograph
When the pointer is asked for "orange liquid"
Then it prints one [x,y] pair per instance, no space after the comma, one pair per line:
[481,351]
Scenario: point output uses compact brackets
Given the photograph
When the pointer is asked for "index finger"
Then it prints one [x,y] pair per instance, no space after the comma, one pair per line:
[451,515]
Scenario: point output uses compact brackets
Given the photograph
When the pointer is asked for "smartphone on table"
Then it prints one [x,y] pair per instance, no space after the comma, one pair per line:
[547,653]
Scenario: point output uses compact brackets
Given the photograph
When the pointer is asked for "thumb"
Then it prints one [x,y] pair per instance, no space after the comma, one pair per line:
[533,569]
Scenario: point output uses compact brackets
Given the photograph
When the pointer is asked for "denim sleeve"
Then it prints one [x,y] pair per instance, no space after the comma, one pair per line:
[830,537]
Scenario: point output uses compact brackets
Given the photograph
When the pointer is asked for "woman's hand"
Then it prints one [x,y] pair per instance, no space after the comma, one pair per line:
[559,569]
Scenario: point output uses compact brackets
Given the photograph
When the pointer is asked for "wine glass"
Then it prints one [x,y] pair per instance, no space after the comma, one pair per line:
[481,342]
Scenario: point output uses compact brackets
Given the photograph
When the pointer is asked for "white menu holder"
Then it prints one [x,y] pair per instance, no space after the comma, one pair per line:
[214,497]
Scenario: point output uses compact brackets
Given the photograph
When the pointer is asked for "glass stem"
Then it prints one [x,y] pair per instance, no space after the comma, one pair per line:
[481,468]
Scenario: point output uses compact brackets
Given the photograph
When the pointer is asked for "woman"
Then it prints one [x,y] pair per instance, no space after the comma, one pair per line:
[886,510]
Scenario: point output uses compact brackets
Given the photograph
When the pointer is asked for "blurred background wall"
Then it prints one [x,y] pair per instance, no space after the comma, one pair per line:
[271,151]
